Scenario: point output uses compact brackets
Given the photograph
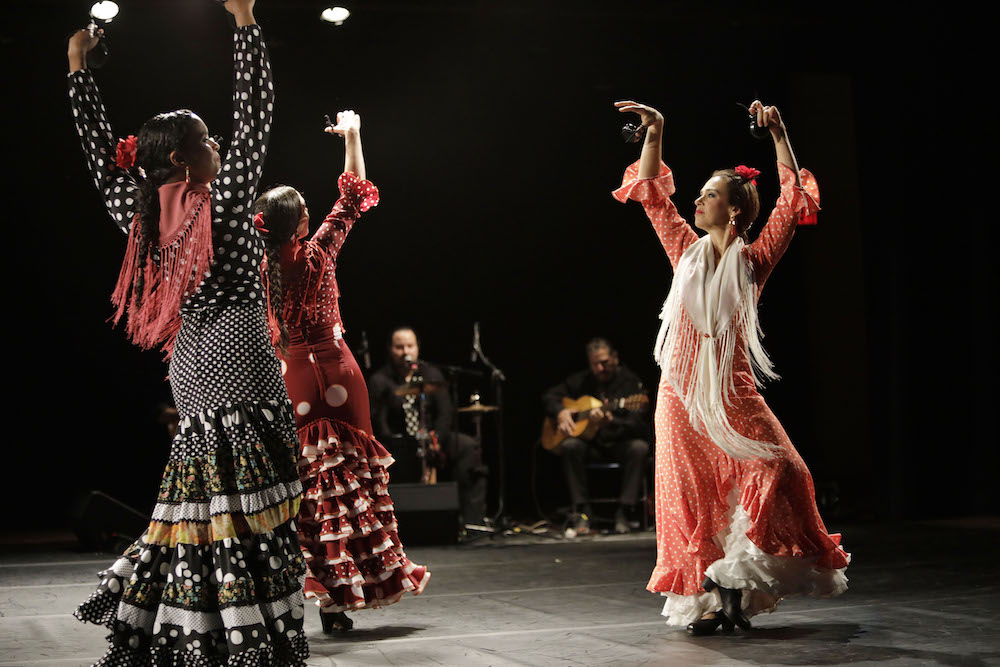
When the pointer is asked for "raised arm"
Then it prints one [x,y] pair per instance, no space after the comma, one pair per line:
[253,110]
[799,197]
[98,142]
[356,194]
[650,182]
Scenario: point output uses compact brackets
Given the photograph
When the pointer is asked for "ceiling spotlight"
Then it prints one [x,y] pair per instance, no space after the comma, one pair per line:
[104,11]
[335,15]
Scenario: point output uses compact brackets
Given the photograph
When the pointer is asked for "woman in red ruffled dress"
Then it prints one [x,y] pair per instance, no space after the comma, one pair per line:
[737,528]
[347,528]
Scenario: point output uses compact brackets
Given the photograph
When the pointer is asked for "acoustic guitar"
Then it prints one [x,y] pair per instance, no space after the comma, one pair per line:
[581,409]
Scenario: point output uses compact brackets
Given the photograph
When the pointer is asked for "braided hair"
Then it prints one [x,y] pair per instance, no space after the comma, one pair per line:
[159,137]
[742,193]
[281,207]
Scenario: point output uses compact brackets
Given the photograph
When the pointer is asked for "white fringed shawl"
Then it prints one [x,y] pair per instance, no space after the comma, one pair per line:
[696,352]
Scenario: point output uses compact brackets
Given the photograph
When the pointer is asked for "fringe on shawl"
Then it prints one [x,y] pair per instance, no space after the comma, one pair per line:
[172,273]
[700,367]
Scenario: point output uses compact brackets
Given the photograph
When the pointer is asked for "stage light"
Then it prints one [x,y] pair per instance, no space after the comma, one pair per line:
[104,11]
[335,15]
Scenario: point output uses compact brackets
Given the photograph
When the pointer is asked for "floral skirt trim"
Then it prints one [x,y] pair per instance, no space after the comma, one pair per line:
[230,602]
[223,526]
[347,527]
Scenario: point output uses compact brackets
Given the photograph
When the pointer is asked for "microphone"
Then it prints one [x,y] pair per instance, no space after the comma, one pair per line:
[411,362]
[475,342]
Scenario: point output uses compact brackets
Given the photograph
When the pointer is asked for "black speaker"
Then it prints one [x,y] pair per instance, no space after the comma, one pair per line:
[426,513]
[103,523]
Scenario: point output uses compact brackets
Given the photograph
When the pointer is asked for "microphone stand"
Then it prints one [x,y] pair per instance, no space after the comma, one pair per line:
[497,378]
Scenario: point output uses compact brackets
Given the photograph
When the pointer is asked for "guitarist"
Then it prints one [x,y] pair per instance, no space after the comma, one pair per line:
[622,435]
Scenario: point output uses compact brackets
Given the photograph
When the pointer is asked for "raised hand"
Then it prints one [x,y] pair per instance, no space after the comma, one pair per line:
[348,123]
[242,11]
[769,117]
[649,115]
[80,44]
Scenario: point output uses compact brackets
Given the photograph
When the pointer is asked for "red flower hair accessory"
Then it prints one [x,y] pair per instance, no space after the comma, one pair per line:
[258,222]
[749,173]
[125,152]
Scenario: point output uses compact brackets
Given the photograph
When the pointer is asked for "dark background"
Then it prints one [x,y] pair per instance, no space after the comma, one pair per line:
[489,130]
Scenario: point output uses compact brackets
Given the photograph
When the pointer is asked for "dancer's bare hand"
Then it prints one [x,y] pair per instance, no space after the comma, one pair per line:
[649,115]
[242,11]
[769,117]
[80,44]
[566,423]
[83,41]
[348,124]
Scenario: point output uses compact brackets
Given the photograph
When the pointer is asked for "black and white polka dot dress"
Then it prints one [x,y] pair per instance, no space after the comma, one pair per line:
[217,577]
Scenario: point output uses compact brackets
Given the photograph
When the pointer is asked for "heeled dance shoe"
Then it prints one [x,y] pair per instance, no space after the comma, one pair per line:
[732,603]
[337,621]
[707,626]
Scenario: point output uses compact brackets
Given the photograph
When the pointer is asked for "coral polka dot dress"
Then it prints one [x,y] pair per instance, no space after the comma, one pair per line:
[347,528]
[748,521]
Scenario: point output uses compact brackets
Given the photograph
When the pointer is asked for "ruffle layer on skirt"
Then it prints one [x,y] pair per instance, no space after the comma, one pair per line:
[765,579]
[347,526]
[231,602]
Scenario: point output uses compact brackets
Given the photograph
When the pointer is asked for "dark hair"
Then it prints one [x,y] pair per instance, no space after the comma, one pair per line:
[401,327]
[742,194]
[159,137]
[281,207]
[595,344]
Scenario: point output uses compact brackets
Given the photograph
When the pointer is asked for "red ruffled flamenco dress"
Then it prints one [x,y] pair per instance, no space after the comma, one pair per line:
[346,524]
[734,500]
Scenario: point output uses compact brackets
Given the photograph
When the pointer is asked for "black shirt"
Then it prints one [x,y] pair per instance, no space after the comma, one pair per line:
[626,424]
[388,417]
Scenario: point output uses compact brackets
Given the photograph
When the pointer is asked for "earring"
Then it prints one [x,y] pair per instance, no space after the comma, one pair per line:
[187,174]
[732,225]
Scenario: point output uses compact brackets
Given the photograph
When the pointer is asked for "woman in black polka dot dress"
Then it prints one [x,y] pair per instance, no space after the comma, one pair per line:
[217,577]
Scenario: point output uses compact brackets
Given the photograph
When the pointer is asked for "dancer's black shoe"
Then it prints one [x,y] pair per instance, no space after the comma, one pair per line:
[335,622]
[732,603]
[707,626]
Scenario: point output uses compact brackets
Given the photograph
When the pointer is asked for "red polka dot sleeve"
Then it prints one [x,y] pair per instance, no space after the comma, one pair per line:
[654,194]
[356,197]
[795,205]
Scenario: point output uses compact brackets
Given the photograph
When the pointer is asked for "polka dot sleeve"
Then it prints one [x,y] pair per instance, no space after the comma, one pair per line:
[356,196]
[239,248]
[793,204]
[98,141]
[654,194]
[253,109]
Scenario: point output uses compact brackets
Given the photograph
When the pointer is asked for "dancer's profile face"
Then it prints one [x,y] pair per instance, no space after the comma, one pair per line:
[303,229]
[712,207]
[199,153]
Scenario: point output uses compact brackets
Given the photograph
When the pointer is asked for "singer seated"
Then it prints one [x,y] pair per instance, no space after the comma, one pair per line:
[600,414]
[395,415]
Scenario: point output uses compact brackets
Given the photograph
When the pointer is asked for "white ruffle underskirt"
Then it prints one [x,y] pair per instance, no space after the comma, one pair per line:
[764,579]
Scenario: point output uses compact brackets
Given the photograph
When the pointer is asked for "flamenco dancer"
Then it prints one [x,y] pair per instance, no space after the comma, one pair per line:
[217,577]
[737,528]
[347,528]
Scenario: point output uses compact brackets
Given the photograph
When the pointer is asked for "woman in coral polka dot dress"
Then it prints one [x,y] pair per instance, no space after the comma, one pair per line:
[346,525]
[737,527]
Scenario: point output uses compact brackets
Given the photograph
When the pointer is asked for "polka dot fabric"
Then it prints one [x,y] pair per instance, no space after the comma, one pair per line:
[347,527]
[693,477]
[217,579]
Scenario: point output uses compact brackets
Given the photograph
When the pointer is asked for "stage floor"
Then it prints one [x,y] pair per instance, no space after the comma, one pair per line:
[921,594]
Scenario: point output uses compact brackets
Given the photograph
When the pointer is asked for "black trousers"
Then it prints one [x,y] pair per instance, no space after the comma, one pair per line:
[465,465]
[631,454]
